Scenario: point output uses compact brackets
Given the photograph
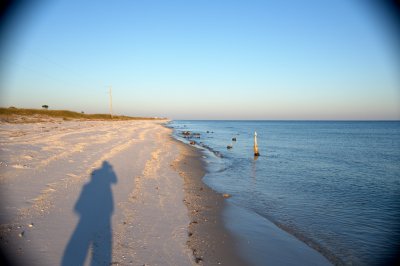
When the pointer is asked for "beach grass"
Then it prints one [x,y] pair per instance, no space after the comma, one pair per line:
[66,114]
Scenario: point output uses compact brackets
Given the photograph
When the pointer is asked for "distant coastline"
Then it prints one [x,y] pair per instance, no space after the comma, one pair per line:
[27,115]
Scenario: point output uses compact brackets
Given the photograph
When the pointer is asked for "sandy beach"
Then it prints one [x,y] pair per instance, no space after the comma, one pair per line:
[108,192]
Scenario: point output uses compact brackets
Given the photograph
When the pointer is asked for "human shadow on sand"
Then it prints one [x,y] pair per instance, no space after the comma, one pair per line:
[95,207]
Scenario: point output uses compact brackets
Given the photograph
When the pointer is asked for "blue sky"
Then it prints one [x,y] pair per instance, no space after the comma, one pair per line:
[204,59]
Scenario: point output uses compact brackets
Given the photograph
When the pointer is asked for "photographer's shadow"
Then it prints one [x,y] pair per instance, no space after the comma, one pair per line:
[95,207]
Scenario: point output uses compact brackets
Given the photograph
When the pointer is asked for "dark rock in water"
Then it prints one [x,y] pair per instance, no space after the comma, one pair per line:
[229,147]
[186,133]
[233,139]
[196,135]
[208,131]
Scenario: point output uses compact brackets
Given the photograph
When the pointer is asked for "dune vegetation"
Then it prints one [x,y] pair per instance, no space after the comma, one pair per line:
[12,112]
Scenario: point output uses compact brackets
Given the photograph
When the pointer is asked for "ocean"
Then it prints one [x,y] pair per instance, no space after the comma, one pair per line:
[334,185]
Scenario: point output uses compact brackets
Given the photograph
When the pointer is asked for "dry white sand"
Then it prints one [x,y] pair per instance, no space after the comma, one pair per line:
[92,190]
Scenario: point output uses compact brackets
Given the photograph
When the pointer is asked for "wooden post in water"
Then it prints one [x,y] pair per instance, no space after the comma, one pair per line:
[256,153]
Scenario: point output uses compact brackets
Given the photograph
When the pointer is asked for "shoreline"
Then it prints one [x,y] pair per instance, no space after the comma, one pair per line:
[208,238]
[252,239]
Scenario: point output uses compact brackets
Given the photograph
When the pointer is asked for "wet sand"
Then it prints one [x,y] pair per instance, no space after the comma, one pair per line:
[209,240]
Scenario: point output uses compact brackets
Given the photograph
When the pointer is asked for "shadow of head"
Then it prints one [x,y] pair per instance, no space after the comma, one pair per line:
[96,197]
[105,174]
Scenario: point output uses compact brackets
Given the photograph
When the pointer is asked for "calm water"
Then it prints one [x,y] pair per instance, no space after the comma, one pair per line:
[334,185]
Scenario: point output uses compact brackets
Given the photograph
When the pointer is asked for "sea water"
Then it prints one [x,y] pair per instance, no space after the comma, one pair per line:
[334,185]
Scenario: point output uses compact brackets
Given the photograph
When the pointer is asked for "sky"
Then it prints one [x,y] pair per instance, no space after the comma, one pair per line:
[204,59]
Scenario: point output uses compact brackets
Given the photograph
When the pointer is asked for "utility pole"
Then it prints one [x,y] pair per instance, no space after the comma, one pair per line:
[111,112]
